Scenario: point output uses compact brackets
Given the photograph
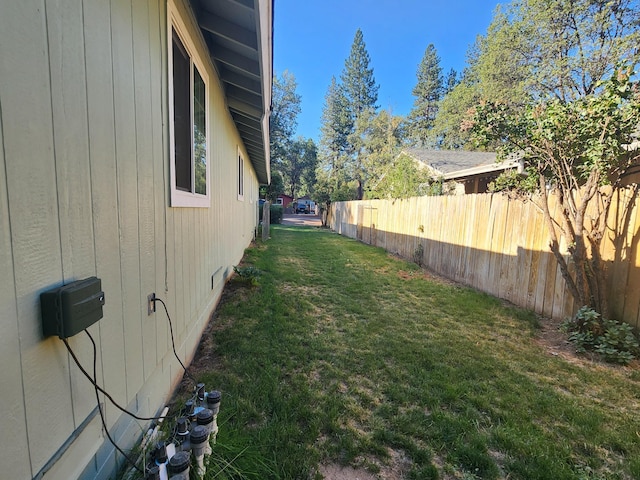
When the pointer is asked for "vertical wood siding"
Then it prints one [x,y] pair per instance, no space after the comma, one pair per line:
[15,455]
[84,190]
[498,245]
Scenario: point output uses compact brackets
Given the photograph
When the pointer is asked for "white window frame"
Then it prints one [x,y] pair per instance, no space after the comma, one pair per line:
[279,201]
[181,198]
[240,175]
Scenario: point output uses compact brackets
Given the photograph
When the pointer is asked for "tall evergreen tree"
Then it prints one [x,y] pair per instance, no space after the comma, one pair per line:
[333,174]
[361,93]
[336,123]
[450,81]
[357,78]
[348,107]
[427,92]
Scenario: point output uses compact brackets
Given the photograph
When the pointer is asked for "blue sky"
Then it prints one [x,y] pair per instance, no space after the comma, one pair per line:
[312,39]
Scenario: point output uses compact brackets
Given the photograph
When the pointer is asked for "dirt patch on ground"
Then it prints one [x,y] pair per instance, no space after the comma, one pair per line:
[555,342]
[396,468]
[336,472]
[425,275]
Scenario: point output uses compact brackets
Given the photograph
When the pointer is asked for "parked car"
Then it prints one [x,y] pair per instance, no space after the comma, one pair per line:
[303,208]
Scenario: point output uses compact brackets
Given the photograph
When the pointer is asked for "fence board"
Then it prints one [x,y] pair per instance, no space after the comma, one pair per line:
[535,245]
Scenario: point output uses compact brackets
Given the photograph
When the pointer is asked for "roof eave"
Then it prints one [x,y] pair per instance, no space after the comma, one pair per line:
[484,169]
[239,36]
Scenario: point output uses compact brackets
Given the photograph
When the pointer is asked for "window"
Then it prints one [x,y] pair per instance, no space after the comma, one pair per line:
[189,123]
[240,176]
[278,201]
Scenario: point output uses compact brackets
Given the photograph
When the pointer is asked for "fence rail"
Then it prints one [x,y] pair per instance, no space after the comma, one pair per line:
[498,245]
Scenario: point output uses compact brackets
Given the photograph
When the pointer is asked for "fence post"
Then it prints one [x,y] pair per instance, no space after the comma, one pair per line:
[325,213]
[266,220]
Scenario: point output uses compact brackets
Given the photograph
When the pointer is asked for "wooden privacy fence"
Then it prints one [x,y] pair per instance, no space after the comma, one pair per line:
[498,245]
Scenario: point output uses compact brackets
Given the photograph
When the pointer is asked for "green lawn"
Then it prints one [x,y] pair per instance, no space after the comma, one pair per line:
[346,355]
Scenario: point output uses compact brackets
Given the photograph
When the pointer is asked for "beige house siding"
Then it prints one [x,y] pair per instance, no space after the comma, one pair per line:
[84,190]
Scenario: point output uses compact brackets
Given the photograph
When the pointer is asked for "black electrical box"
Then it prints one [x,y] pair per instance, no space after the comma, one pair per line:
[69,309]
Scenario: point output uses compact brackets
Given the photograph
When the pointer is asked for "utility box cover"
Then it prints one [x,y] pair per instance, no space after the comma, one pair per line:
[69,309]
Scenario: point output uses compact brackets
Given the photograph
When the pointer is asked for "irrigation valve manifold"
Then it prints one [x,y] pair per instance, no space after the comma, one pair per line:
[196,430]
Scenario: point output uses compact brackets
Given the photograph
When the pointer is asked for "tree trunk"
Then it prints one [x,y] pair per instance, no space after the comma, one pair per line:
[360,193]
[554,244]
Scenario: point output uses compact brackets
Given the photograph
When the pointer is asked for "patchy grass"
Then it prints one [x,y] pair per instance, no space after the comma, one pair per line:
[344,355]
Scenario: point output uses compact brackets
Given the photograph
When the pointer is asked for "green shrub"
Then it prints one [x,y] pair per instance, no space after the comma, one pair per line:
[249,274]
[276,212]
[613,340]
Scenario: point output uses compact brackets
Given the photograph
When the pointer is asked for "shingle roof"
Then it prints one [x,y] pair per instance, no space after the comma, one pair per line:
[447,161]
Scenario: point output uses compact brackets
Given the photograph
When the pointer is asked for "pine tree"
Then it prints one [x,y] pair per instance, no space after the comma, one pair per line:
[333,174]
[357,78]
[361,92]
[428,92]
[336,122]
[450,82]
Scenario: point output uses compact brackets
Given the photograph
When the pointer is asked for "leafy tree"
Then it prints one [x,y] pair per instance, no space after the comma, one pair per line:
[427,92]
[309,173]
[575,149]
[564,48]
[299,166]
[284,112]
[542,72]
[275,188]
[490,75]
[294,160]
[452,110]
[539,49]
[380,136]
[403,178]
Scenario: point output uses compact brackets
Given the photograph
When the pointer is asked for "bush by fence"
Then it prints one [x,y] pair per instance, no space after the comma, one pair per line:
[275,213]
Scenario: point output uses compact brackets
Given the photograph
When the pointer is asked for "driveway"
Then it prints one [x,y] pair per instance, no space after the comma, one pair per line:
[305,220]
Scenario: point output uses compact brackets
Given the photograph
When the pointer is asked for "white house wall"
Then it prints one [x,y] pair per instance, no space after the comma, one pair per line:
[84,190]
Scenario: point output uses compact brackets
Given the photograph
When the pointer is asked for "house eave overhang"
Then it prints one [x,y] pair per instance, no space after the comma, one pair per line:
[467,173]
[239,36]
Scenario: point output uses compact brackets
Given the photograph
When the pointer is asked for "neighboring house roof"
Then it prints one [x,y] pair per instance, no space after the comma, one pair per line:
[461,164]
[446,161]
[239,35]
[484,169]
